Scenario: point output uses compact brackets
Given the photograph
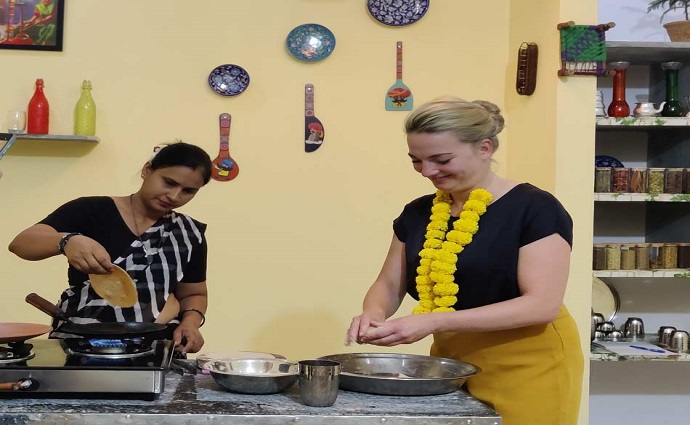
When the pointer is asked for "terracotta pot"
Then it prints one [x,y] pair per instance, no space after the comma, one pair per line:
[678,30]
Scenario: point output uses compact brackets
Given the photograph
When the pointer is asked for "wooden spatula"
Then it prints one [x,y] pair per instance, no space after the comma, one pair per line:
[313,129]
[399,96]
[116,287]
[225,168]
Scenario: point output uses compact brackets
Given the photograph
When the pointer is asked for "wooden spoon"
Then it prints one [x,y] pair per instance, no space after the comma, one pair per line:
[116,287]
[313,129]
[225,168]
[399,96]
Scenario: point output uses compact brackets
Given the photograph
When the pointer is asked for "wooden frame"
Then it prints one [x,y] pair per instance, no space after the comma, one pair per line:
[32,24]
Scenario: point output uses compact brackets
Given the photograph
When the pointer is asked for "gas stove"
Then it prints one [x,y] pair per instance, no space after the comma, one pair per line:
[85,368]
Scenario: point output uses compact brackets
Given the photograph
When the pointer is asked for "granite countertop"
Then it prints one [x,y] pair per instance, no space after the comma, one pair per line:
[191,399]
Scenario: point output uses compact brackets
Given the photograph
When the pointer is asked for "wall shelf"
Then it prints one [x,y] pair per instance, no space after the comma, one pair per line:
[641,197]
[682,275]
[645,52]
[8,139]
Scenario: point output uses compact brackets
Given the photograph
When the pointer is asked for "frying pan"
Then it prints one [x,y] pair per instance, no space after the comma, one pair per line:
[18,332]
[116,330]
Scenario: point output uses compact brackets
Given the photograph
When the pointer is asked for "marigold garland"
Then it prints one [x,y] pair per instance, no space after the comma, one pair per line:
[436,272]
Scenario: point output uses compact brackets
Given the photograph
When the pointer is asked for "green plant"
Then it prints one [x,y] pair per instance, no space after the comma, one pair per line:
[670,5]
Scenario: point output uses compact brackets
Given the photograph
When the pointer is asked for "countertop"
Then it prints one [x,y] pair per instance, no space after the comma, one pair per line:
[191,399]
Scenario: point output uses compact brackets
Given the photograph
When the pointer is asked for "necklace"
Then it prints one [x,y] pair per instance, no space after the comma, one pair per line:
[436,272]
[148,252]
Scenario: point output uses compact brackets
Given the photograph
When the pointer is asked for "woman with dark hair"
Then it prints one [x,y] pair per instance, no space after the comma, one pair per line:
[162,250]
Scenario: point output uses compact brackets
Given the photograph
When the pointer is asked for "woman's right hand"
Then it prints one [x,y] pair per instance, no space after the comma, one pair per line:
[87,255]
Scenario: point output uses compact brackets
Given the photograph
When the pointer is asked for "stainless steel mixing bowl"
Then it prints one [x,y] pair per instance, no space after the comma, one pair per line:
[401,374]
[254,375]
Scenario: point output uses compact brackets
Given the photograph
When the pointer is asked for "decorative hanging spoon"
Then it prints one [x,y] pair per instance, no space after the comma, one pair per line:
[399,96]
[224,166]
[313,129]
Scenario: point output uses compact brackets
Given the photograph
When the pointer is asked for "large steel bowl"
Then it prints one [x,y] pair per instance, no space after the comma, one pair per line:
[401,374]
[254,375]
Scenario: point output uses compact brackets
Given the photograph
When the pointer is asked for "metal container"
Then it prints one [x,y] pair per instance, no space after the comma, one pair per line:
[254,376]
[665,335]
[679,341]
[401,374]
[633,328]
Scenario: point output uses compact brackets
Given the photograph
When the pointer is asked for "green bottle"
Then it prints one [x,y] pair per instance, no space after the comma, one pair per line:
[85,112]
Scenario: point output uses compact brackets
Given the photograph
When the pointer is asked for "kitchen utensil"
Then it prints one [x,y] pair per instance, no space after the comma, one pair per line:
[399,97]
[634,328]
[679,341]
[665,335]
[599,335]
[254,376]
[397,13]
[605,299]
[202,359]
[401,374]
[116,287]
[616,335]
[606,327]
[310,42]
[318,382]
[225,168]
[17,332]
[228,80]
[116,330]
[314,132]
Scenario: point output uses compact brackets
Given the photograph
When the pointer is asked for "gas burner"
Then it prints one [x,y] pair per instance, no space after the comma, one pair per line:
[15,352]
[109,348]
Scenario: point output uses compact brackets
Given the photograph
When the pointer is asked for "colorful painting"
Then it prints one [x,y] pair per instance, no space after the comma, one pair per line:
[31,24]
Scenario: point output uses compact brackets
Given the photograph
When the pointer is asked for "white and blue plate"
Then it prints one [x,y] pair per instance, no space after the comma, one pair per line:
[310,42]
[397,13]
[607,161]
[228,80]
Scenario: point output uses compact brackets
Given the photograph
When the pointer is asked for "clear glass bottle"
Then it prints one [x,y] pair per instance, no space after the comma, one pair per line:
[38,116]
[85,112]
[672,107]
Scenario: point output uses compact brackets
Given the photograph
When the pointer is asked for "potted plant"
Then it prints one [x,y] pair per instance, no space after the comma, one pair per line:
[677,30]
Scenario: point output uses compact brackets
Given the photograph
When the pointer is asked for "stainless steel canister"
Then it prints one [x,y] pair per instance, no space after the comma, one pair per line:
[633,328]
[665,335]
[679,341]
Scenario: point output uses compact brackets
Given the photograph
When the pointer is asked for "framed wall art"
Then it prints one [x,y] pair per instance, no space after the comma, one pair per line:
[31,24]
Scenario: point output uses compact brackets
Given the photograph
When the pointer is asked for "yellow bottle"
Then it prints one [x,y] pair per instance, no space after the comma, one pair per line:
[85,112]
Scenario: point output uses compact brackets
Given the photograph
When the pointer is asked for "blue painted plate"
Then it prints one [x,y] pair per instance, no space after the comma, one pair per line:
[310,42]
[228,80]
[607,161]
[397,13]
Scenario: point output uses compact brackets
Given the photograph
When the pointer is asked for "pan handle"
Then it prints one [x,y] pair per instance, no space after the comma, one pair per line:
[26,384]
[47,307]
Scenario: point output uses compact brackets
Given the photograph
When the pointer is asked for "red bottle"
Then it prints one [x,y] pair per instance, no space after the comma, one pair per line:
[39,111]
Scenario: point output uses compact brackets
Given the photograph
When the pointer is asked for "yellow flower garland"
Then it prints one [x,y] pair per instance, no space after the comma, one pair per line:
[435,275]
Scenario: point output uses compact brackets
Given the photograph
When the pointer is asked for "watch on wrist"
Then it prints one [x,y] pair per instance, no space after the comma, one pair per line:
[63,241]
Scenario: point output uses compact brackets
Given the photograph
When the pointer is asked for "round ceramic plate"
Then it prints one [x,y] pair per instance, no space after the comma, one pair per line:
[228,80]
[397,13]
[607,161]
[604,299]
[310,42]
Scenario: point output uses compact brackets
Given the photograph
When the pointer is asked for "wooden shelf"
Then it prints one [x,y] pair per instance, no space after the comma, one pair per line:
[646,53]
[599,353]
[642,197]
[8,139]
[682,275]
[632,123]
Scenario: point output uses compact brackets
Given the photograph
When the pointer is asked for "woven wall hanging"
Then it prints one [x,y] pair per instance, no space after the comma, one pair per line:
[583,49]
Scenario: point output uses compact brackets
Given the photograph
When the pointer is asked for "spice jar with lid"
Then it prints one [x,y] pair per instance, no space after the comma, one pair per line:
[642,256]
[621,180]
[602,179]
[669,256]
[684,255]
[638,180]
[654,253]
[655,179]
[628,256]
[673,182]
[613,257]
[599,257]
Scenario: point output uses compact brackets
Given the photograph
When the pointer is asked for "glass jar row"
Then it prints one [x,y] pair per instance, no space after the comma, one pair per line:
[641,180]
[641,256]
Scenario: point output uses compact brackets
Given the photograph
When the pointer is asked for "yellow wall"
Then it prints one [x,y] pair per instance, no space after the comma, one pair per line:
[297,238]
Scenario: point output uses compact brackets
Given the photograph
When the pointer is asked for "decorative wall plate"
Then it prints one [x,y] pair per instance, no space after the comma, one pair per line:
[310,42]
[228,80]
[397,13]
[607,161]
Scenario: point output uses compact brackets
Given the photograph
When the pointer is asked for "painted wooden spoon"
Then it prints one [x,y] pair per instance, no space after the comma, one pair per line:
[313,129]
[399,96]
[224,166]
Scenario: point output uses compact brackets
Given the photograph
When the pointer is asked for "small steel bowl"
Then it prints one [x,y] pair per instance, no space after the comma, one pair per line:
[254,375]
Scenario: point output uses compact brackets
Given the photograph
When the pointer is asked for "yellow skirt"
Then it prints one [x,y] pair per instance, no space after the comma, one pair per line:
[530,376]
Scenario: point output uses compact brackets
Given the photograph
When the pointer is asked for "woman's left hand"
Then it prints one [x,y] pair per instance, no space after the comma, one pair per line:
[188,338]
[404,330]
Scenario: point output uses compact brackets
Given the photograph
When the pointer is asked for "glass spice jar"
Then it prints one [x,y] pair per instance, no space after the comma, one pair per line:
[621,180]
[628,257]
[654,253]
[686,177]
[638,180]
[669,256]
[655,179]
[613,257]
[599,256]
[642,256]
[684,255]
[673,182]
[602,179]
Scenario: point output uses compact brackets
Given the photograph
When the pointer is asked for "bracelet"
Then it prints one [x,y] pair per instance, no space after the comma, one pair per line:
[203,316]
[63,241]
